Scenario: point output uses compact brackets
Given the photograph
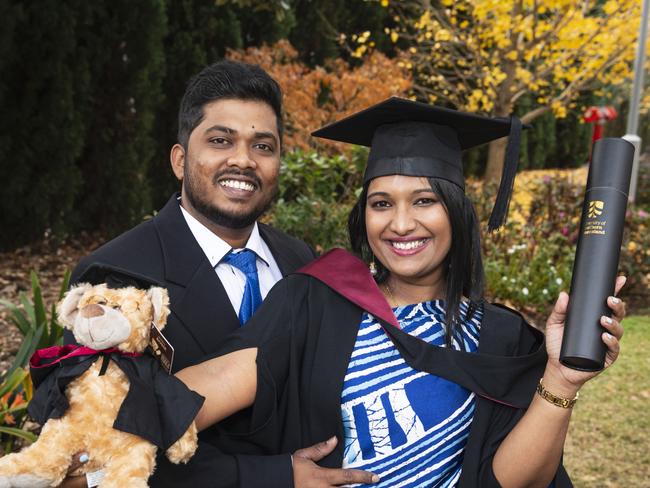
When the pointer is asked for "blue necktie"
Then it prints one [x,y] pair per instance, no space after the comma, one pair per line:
[246,262]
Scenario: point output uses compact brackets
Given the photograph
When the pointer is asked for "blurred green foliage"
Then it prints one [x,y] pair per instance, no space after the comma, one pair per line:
[30,317]
[125,67]
[42,126]
[80,86]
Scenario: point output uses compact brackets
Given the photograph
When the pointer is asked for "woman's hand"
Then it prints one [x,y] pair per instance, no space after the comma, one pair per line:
[555,328]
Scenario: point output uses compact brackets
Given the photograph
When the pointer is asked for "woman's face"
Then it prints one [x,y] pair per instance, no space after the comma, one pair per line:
[408,228]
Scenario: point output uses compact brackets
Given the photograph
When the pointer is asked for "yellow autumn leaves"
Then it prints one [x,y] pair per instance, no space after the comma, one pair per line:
[484,55]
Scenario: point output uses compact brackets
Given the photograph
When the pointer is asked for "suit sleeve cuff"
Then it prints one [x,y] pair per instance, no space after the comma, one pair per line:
[265,471]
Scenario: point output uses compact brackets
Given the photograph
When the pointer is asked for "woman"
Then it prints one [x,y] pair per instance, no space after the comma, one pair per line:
[423,383]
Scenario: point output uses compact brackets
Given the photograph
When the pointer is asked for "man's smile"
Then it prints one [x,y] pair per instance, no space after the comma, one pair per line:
[238,185]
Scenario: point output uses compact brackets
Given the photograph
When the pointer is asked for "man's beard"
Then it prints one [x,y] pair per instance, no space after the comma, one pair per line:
[219,216]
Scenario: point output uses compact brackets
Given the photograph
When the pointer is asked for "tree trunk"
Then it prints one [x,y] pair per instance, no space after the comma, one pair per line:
[496,153]
[497,149]
[503,107]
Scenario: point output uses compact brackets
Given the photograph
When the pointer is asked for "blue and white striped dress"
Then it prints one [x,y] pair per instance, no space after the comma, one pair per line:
[408,427]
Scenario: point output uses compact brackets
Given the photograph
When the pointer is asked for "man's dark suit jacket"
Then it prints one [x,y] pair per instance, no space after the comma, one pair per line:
[202,315]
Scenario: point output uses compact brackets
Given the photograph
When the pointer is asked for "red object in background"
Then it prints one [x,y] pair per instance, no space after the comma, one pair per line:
[598,116]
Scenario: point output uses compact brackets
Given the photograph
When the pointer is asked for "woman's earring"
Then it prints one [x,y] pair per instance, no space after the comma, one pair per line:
[373,267]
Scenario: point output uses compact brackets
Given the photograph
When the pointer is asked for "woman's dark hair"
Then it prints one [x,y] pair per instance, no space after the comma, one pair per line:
[226,80]
[464,275]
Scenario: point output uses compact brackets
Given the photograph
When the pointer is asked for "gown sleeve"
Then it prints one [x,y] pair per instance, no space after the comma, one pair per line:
[157,407]
[274,331]
[494,421]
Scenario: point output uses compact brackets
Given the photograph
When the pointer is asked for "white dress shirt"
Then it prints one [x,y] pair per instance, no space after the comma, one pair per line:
[233,280]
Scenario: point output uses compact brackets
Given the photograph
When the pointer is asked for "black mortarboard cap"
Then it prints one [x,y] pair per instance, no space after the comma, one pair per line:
[416,139]
[115,277]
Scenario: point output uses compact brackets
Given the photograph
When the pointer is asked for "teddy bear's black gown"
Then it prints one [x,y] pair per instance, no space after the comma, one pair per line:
[158,407]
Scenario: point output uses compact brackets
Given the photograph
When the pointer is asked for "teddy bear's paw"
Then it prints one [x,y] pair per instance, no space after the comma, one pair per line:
[183,449]
[179,453]
[24,481]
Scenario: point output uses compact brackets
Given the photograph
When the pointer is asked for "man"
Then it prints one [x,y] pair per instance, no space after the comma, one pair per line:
[200,246]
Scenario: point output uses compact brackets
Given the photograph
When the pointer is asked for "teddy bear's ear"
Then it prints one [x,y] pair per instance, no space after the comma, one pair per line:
[160,301]
[67,308]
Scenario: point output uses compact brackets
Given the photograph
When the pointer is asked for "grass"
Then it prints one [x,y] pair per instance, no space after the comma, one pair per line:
[609,437]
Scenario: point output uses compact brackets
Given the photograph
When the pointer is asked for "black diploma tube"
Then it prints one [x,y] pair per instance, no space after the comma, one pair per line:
[597,254]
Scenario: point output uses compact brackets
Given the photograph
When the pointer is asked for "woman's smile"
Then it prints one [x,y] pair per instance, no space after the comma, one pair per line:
[407,246]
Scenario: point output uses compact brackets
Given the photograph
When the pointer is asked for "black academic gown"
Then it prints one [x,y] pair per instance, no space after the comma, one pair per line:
[164,250]
[305,333]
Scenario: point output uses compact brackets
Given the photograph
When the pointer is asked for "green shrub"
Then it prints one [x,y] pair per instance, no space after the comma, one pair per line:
[315,196]
[31,319]
[319,222]
[39,331]
[308,173]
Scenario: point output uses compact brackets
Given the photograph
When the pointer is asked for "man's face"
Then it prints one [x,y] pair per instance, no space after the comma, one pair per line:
[230,168]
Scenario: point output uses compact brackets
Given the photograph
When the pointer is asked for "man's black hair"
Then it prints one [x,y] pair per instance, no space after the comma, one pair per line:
[226,80]
[464,275]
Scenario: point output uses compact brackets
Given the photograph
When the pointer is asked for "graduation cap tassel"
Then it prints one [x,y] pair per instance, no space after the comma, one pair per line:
[500,209]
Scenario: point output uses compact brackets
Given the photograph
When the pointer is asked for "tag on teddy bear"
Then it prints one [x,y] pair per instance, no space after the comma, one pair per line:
[161,348]
[95,478]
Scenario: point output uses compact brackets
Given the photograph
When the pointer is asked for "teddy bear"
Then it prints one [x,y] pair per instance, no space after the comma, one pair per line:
[106,396]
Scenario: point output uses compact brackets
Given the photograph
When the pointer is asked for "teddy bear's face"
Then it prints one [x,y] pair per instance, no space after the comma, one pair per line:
[102,317]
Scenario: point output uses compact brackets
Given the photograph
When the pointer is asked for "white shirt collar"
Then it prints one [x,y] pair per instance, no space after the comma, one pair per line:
[215,248]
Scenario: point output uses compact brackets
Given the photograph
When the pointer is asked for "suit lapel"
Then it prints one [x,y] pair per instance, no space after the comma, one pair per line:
[288,260]
[205,309]
[200,301]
